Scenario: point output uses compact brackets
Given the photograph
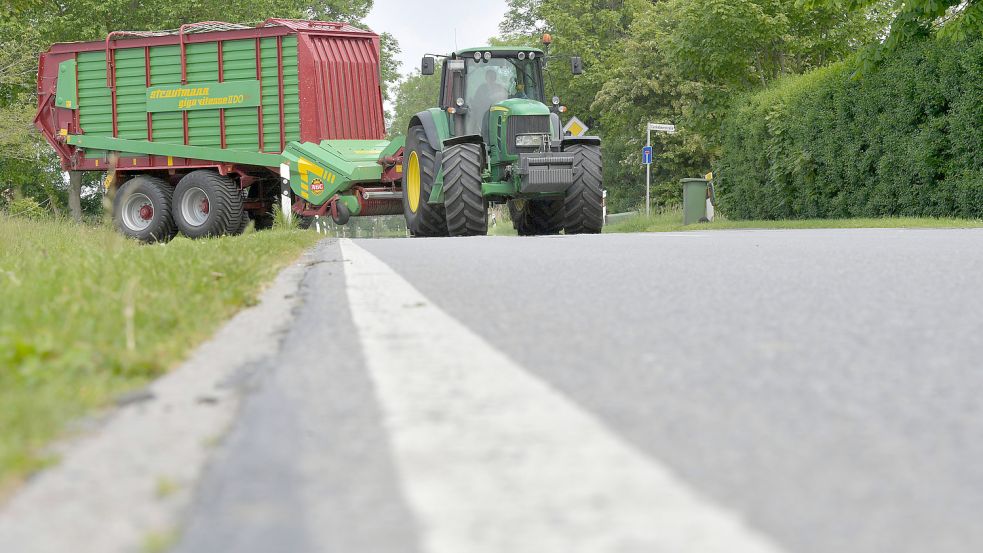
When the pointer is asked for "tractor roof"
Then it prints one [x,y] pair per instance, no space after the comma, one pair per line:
[497,50]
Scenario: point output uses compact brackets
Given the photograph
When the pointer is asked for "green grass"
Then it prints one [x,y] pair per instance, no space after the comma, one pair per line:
[86,315]
[672,221]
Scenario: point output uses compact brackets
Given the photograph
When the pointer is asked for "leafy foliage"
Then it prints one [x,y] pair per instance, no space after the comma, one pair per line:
[679,61]
[413,95]
[902,141]
[953,19]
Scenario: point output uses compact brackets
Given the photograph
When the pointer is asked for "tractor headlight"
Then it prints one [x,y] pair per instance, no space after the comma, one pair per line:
[477,56]
[522,56]
[487,56]
[529,141]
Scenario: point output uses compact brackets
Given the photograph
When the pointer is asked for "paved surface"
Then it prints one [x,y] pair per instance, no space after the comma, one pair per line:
[752,391]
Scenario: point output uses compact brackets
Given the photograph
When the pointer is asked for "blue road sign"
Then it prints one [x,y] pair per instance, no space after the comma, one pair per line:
[647,155]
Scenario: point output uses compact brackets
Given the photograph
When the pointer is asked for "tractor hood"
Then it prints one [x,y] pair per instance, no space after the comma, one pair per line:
[521,106]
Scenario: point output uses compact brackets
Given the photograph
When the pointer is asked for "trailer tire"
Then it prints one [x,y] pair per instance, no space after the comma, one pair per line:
[207,204]
[584,203]
[142,209]
[422,218]
[537,217]
[466,207]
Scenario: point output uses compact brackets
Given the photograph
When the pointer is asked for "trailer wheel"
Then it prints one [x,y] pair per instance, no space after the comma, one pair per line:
[584,204]
[537,217]
[142,209]
[466,207]
[422,218]
[207,204]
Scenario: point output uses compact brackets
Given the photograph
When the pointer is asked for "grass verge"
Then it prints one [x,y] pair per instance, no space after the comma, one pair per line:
[86,315]
[672,221]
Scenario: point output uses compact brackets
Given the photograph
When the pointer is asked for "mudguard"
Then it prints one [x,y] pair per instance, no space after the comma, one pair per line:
[589,140]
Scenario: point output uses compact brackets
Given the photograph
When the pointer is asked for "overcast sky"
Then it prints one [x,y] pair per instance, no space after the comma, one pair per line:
[427,26]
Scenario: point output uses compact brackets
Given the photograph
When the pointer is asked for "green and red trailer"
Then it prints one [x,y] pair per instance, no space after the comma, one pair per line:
[205,127]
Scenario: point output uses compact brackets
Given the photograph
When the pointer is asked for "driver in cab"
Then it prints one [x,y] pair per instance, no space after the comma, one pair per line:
[491,91]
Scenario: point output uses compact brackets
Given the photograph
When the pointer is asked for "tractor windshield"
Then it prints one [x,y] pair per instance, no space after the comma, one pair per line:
[499,79]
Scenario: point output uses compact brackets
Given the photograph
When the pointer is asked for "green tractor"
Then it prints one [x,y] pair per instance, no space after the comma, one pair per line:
[494,139]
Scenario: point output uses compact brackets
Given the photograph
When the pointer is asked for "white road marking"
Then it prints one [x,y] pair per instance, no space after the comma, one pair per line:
[492,459]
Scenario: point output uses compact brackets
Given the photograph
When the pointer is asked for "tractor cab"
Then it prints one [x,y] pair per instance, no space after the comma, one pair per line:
[491,76]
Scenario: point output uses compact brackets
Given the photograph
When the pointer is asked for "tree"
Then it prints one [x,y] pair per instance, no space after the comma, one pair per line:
[413,95]
[956,19]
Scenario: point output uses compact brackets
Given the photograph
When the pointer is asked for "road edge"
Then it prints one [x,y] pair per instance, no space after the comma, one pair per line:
[124,485]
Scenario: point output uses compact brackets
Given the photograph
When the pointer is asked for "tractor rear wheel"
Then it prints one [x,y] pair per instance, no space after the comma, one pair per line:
[537,217]
[142,209]
[466,207]
[208,204]
[584,204]
[423,219]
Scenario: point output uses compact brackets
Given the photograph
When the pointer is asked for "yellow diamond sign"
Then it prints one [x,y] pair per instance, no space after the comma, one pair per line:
[575,127]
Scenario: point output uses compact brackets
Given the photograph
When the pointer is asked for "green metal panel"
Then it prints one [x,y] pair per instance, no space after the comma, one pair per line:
[95,101]
[241,124]
[291,88]
[203,126]
[66,91]
[165,69]
[131,92]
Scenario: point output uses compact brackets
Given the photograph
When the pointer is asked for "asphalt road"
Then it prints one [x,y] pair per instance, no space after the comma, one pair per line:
[798,391]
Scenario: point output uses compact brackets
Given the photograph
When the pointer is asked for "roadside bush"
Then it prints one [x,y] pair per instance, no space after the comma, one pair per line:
[902,140]
[27,208]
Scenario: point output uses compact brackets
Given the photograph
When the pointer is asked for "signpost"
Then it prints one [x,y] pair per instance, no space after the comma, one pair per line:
[647,159]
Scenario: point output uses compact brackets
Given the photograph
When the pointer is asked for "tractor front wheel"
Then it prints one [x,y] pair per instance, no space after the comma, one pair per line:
[208,204]
[466,207]
[142,209]
[583,206]
[423,219]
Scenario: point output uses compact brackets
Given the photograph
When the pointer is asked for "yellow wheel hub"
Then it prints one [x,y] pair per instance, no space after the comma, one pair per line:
[413,182]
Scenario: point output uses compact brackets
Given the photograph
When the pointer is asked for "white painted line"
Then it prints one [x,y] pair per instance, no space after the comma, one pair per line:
[492,459]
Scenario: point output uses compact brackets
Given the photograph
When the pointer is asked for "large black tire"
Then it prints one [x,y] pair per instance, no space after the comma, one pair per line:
[466,208]
[142,209]
[425,220]
[208,204]
[537,217]
[583,206]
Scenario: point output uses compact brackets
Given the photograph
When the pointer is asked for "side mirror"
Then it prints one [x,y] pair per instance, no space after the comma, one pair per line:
[576,65]
[427,67]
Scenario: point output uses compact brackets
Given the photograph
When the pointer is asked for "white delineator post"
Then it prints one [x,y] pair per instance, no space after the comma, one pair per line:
[286,206]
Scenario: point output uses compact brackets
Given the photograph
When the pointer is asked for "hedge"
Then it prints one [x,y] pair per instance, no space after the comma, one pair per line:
[901,140]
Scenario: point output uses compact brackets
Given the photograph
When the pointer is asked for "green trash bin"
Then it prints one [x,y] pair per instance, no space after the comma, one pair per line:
[695,201]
